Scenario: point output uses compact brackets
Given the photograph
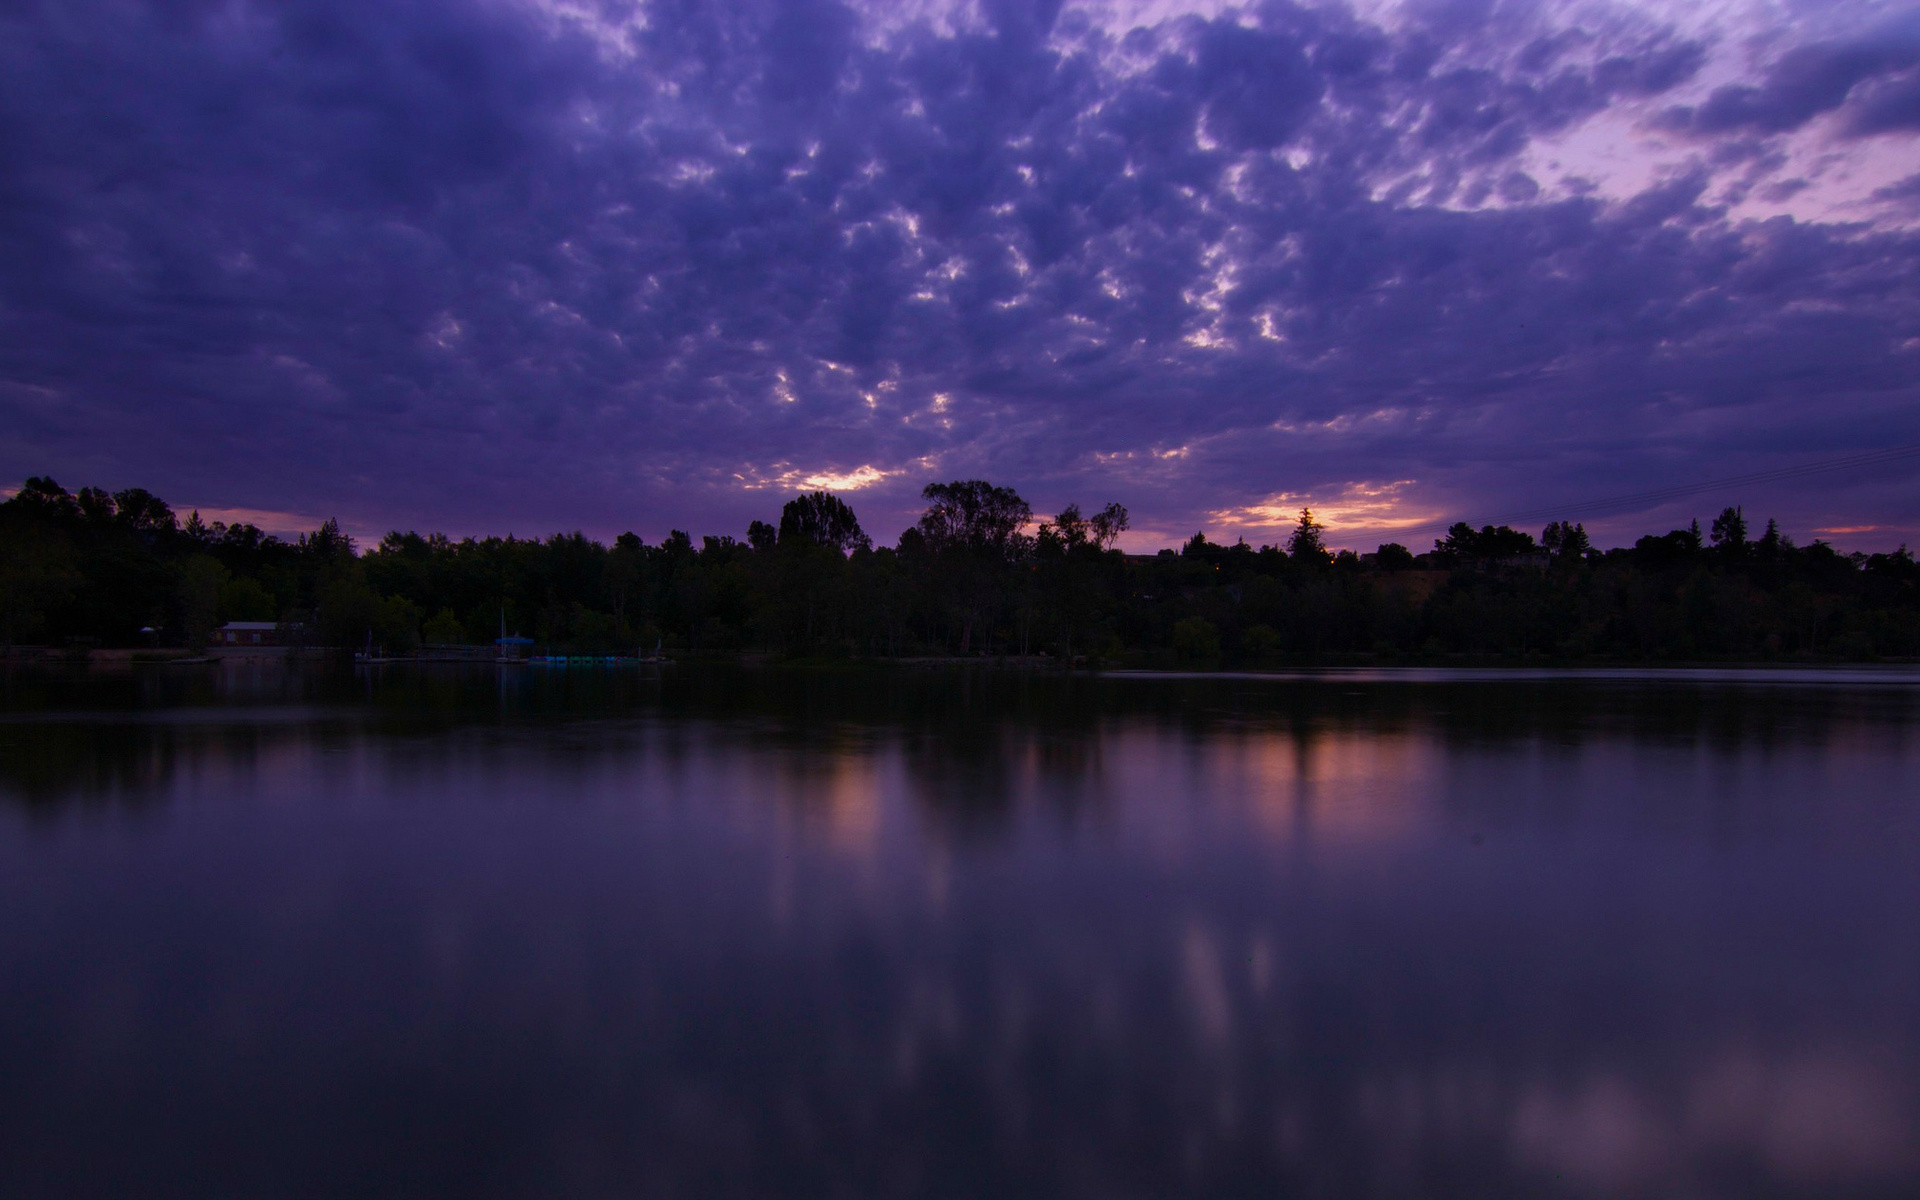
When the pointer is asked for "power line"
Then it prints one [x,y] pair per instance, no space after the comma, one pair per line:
[1653,496]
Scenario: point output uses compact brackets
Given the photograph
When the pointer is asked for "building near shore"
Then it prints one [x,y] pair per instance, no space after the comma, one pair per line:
[249,633]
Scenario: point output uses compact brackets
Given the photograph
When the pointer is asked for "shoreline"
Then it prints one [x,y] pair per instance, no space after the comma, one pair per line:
[1123,666]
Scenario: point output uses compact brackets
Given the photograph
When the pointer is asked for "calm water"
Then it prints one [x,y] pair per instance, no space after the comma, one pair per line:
[467,934]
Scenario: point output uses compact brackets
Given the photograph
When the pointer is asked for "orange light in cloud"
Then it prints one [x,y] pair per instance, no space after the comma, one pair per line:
[832,481]
[787,477]
[1357,507]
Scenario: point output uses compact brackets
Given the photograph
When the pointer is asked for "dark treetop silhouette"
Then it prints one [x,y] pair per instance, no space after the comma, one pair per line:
[967,578]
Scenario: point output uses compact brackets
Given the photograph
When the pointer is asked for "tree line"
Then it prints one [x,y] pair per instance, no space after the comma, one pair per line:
[975,575]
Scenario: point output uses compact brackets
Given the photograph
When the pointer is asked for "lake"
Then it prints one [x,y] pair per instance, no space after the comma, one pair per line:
[690,931]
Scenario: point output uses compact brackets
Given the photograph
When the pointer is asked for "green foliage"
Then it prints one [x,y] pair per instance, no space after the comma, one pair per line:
[1260,642]
[1196,640]
[244,599]
[38,575]
[351,614]
[202,580]
[444,629]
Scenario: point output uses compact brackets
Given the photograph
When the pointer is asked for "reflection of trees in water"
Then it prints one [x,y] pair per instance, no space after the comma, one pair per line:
[1063,1024]
[973,743]
[47,764]
[1071,771]
[974,740]
[43,765]
[1663,712]
[963,777]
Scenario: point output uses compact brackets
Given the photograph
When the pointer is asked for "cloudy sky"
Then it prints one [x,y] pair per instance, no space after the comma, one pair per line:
[491,265]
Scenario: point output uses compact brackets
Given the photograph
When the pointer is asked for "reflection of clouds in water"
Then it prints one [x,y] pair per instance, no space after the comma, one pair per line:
[1709,1123]
[1206,987]
[1836,1115]
[1329,790]
[1193,954]
[1344,785]
[835,797]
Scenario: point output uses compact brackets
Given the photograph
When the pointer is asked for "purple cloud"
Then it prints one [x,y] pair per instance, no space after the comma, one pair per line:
[503,265]
[1875,70]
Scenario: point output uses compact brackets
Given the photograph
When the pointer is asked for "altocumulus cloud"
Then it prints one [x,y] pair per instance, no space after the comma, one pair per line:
[479,265]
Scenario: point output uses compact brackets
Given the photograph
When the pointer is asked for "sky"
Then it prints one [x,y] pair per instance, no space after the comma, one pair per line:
[483,266]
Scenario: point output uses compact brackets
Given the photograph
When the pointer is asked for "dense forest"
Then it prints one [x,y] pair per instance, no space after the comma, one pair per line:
[976,575]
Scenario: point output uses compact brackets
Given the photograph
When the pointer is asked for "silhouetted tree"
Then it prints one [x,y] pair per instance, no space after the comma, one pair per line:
[43,498]
[808,604]
[1565,540]
[327,546]
[974,515]
[96,505]
[822,519]
[92,567]
[1489,543]
[624,577]
[1671,549]
[1105,527]
[144,511]
[1074,555]
[1730,531]
[1392,556]
[1772,542]
[972,532]
[1100,531]
[1305,544]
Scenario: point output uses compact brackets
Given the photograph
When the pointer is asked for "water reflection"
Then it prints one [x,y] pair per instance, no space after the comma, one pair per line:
[699,933]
